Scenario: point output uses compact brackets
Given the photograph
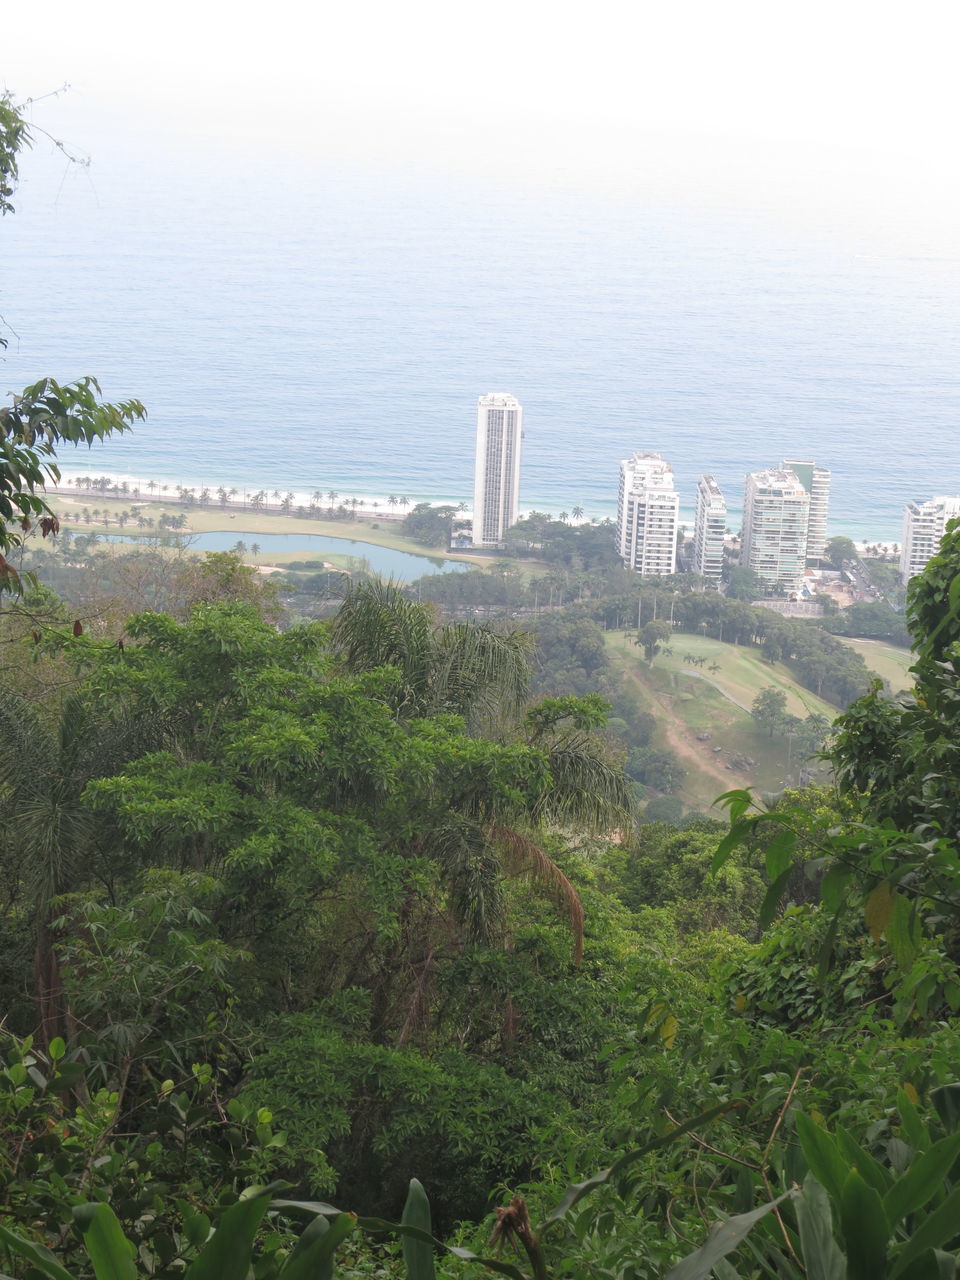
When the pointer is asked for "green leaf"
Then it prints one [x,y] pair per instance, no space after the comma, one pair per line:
[821,1255]
[197,1229]
[926,1267]
[947,1101]
[735,836]
[936,1229]
[872,1172]
[771,899]
[903,932]
[416,1254]
[779,852]
[57,1048]
[833,885]
[922,1181]
[864,1228]
[823,1157]
[36,1254]
[227,1255]
[578,1190]
[913,1126]
[379,1225]
[723,1239]
[320,1241]
[110,1251]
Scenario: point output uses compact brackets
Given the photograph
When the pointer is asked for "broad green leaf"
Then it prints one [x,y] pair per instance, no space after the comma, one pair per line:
[913,1126]
[922,1181]
[36,1254]
[903,932]
[778,853]
[878,909]
[57,1048]
[772,898]
[865,1230]
[821,1254]
[833,885]
[723,1239]
[734,837]
[109,1249]
[935,1229]
[947,1101]
[825,1161]
[227,1254]
[197,1229]
[417,1255]
[314,1261]
[578,1190]
[872,1172]
[925,1267]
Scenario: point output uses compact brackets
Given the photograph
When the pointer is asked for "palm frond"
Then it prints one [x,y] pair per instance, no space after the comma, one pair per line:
[470,871]
[28,748]
[521,857]
[585,788]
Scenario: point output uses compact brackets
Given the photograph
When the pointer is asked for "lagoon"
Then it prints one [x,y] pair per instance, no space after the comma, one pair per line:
[404,566]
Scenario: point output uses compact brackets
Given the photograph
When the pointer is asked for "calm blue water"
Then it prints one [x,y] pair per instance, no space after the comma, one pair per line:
[294,328]
[401,565]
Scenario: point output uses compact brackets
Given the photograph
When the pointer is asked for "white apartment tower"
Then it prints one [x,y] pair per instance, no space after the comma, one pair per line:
[776,514]
[924,524]
[816,481]
[648,510]
[709,529]
[496,483]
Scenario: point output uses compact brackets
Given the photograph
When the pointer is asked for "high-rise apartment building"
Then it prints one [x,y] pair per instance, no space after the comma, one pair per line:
[776,514]
[816,481]
[709,529]
[924,524]
[648,510]
[496,483]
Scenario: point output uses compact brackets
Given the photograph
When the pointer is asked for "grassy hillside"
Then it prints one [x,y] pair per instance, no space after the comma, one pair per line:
[693,702]
[886,660]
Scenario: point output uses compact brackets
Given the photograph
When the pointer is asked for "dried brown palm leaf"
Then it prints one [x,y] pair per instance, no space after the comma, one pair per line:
[521,857]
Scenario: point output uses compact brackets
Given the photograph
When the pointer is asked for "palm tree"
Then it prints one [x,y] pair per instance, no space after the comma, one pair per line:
[564,516]
[404,502]
[485,833]
[333,496]
[254,548]
[392,499]
[577,513]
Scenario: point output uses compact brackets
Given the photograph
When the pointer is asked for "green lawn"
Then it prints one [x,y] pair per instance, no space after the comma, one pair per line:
[687,705]
[885,660]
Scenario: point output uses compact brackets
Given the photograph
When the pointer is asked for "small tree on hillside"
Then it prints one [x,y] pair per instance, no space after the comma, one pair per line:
[769,708]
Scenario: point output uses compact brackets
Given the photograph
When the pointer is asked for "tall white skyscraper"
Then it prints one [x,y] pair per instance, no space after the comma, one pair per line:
[496,483]
[709,530]
[648,509]
[816,481]
[776,513]
[924,524]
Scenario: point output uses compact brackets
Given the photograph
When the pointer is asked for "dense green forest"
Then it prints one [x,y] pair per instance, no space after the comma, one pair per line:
[336,947]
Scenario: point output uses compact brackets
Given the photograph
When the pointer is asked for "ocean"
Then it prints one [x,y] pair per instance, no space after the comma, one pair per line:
[305,327]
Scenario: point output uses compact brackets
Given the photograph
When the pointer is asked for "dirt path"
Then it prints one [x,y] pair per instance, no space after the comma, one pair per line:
[684,743]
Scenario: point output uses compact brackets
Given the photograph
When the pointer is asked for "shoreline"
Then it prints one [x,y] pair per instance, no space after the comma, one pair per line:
[377,506]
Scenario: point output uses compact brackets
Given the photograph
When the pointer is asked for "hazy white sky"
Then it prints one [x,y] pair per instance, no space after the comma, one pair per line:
[831,92]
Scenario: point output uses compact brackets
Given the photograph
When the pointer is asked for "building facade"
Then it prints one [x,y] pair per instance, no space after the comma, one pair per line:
[648,512]
[816,481]
[496,483]
[776,515]
[709,529]
[924,524]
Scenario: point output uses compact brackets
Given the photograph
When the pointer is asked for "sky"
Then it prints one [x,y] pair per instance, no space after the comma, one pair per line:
[824,106]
